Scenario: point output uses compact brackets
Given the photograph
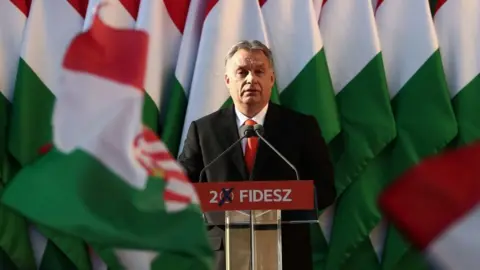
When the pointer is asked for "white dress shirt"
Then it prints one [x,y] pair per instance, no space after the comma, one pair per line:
[259,118]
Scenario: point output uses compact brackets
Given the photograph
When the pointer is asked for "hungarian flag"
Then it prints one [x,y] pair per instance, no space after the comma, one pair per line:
[109,180]
[420,100]
[355,62]
[15,247]
[207,92]
[164,21]
[457,23]
[436,206]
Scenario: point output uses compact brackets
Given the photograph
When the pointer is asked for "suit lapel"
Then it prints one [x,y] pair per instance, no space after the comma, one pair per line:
[230,136]
[271,126]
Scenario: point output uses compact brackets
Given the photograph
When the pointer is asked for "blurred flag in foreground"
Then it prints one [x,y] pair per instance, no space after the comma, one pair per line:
[108,179]
[437,207]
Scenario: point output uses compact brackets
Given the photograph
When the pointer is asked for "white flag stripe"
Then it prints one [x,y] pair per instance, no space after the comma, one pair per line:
[458,246]
[136,259]
[39,243]
[406,43]
[175,206]
[12,23]
[458,28]
[180,187]
[344,44]
[208,90]
[113,14]
[151,147]
[121,108]
[189,45]
[298,24]
[163,47]
[49,30]
[170,165]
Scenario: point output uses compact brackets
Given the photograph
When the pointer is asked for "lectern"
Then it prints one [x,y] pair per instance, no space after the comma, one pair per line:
[252,214]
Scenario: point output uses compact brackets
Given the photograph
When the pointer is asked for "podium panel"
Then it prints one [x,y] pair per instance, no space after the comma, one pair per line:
[258,244]
[251,215]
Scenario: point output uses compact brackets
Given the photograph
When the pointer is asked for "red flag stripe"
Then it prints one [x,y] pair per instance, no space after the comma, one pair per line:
[212,3]
[324,1]
[378,5]
[178,10]
[107,52]
[177,175]
[440,3]
[430,197]
[80,6]
[22,5]
[175,197]
[131,6]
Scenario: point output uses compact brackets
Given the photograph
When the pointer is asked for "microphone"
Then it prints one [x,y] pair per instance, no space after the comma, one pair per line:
[259,130]
[289,216]
[247,132]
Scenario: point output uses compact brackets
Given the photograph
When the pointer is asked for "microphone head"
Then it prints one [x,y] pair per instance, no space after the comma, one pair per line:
[259,128]
[247,131]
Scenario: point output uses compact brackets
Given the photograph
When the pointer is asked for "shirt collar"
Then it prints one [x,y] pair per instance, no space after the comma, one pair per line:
[259,117]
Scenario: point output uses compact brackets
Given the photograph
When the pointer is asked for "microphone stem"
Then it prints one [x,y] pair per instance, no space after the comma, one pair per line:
[279,154]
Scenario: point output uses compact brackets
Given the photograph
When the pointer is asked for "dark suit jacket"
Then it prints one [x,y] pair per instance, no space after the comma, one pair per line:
[295,135]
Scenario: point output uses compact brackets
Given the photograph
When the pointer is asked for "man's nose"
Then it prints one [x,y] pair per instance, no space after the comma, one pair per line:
[251,78]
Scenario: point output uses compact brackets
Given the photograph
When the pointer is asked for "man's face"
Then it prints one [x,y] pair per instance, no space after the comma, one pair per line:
[249,78]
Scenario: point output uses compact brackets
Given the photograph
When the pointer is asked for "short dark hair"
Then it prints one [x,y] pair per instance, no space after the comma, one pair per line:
[250,45]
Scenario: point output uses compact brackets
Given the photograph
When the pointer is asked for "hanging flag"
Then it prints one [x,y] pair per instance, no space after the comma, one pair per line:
[119,13]
[436,206]
[208,92]
[458,26]
[420,99]
[303,78]
[15,248]
[355,62]
[48,31]
[164,21]
[101,147]
[179,89]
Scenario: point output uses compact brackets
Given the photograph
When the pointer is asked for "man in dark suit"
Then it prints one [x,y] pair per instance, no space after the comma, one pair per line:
[249,76]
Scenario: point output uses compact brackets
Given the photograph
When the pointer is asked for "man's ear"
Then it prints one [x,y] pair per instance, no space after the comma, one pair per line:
[226,79]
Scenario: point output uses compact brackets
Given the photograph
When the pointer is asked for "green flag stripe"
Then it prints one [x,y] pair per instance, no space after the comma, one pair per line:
[368,127]
[14,238]
[31,116]
[150,113]
[311,92]
[426,124]
[174,117]
[31,129]
[466,105]
[366,119]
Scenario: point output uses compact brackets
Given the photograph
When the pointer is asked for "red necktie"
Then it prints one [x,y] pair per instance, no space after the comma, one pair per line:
[250,148]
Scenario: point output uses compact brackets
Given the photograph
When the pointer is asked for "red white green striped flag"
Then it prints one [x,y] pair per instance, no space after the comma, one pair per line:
[102,147]
[208,92]
[48,31]
[163,21]
[458,26]
[355,61]
[436,206]
[303,78]
[119,13]
[180,86]
[420,99]
[15,248]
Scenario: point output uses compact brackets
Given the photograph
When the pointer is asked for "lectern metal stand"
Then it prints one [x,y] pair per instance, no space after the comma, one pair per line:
[253,237]
[253,240]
